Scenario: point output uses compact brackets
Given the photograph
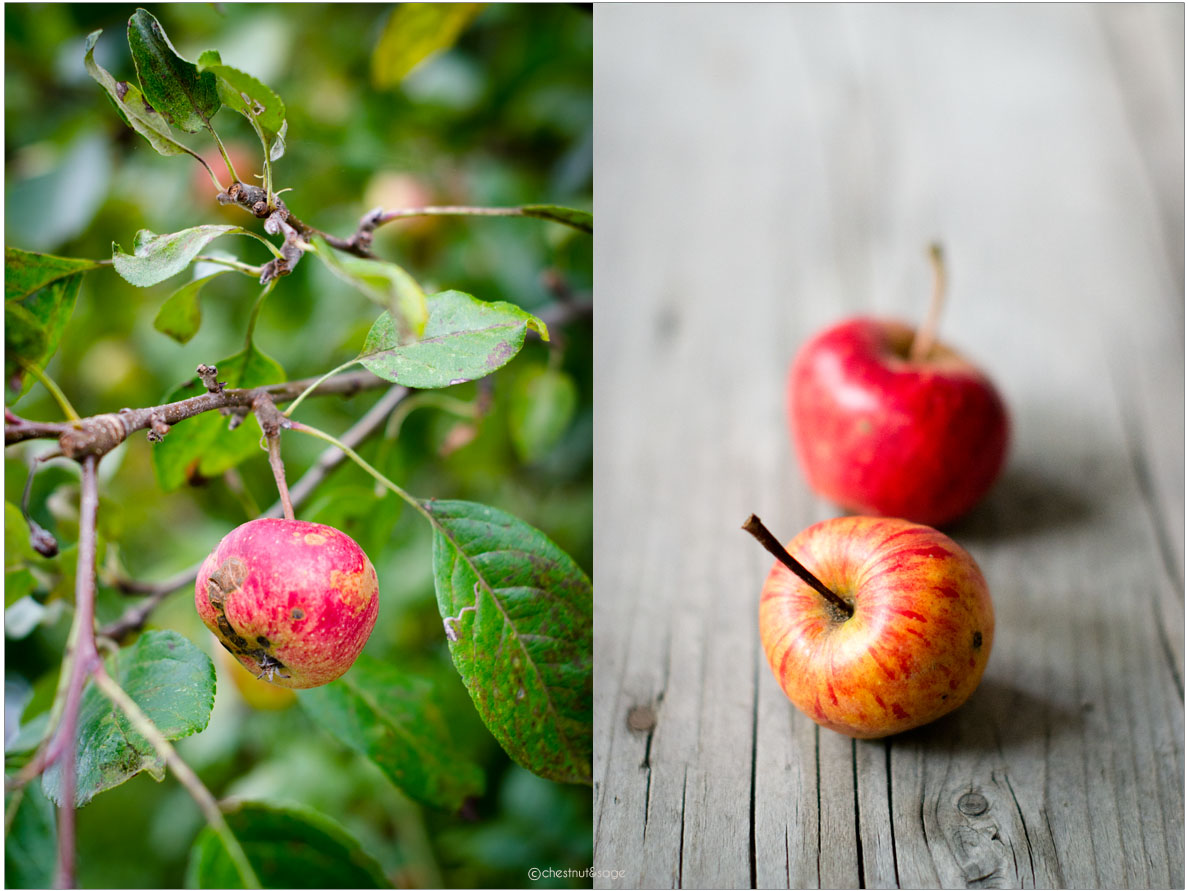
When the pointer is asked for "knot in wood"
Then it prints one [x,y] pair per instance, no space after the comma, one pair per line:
[157,429]
[972,804]
[641,718]
[270,418]
[93,436]
[231,196]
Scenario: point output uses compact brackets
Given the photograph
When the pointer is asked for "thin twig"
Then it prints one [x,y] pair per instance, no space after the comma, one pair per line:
[42,541]
[449,211]
[80,660]
[153,589]
[54,390]
[333,456]
[238,266]
[134,617]
[143,725]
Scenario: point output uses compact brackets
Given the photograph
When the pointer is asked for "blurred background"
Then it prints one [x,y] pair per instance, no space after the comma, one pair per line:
[504,117]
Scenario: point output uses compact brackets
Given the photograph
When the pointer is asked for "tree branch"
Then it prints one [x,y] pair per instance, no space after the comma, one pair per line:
[257,202]
[99,434]
[81,659]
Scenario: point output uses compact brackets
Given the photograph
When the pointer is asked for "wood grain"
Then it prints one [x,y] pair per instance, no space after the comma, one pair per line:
[763,171]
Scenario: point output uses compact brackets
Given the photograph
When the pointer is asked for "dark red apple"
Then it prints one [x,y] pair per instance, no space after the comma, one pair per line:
[886,421]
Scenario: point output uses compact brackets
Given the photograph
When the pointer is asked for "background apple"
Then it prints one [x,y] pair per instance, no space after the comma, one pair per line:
[888,626]
[886,421]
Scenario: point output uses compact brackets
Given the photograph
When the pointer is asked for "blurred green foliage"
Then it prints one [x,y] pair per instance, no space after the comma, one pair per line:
[503,117]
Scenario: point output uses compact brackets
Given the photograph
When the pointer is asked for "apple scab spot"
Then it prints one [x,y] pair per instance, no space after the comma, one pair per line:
[977,640]
[355,589]
[314,538]
[298,613]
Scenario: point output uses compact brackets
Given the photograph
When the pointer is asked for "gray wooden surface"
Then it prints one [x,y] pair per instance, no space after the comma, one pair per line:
[765,170]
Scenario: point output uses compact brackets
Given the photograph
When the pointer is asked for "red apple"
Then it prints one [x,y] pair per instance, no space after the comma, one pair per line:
[888,626]
[886,421]
[294,602]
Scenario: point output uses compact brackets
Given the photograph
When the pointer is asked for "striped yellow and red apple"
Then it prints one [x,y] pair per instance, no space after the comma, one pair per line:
[873,625]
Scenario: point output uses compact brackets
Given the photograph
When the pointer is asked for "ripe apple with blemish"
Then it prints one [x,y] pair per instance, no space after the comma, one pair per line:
[872,625]
[887,420]
[294,602]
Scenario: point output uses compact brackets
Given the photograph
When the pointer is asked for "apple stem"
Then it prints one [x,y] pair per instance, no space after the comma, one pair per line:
[926,334]
[278,472]
[763,535]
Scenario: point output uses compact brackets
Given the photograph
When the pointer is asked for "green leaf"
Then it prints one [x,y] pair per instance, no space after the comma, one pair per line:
[186,98]
[24,338]
[288,847]
[395,719]
[133,108]
[251,98]
[31,845]
[27,271]
[203,446]
[181,315]
[578,219]
[46,310]
[519,616]
[17,546]
[543,401]
[465,338]
[171,680]
[158,257]
[415,31]
[18,583]
[385,284]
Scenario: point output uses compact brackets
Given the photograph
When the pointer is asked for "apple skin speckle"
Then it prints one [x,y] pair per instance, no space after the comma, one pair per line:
[305,589]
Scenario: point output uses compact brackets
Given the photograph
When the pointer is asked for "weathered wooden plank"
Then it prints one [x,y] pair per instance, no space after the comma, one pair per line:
[873,774]
[1146,45]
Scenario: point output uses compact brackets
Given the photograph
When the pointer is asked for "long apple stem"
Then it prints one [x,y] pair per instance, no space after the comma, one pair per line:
[763,535]
[926,334]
